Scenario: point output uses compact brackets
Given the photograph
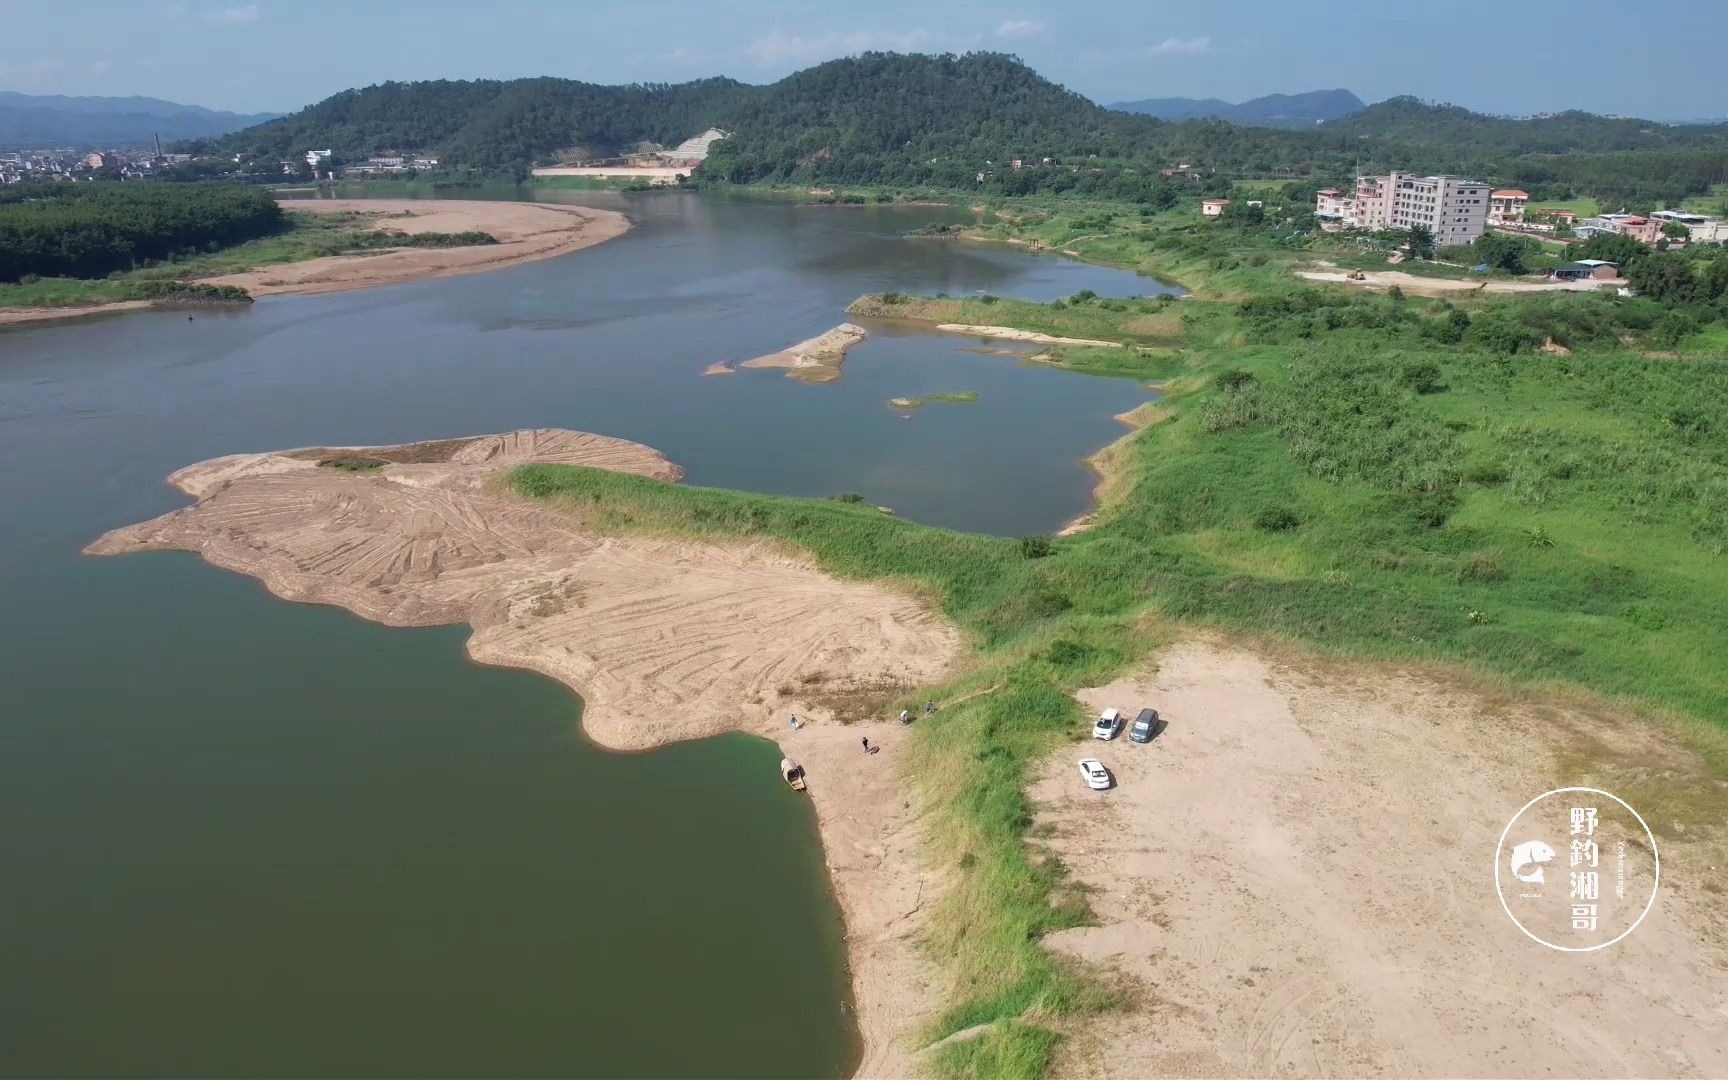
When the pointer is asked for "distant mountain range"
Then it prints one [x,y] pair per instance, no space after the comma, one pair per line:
[31,120]
[1273,110]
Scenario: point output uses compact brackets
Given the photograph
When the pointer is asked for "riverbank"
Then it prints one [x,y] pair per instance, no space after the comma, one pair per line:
[665,639]
[526,232]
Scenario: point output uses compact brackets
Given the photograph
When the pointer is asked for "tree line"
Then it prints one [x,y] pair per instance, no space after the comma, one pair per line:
[95,229]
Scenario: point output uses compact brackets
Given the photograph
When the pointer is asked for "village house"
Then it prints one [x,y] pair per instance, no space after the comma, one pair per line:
[1214,207]
[1507,204]
[1700,229]
[1640,228]
[1585,270]
[1333,205]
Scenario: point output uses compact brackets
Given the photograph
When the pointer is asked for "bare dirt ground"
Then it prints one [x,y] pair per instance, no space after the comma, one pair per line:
[1416,285]
[1008,333]
[526,232]
[815,360]
[1297,879]
[664,639]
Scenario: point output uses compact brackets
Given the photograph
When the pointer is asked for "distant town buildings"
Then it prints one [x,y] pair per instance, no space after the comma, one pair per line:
[1454,210]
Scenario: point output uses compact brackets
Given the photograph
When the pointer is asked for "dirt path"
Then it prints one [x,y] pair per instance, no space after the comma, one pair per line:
[1431,286]
[664,639]
[1296,878]
[526,232]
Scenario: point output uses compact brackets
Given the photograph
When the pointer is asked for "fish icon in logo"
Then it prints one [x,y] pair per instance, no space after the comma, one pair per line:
[1527,860]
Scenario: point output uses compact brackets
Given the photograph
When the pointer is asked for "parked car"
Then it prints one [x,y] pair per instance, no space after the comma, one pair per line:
[1109,725]
[1145,726]
[1097,776]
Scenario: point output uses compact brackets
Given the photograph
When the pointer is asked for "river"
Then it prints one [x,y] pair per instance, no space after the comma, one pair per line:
[249,838]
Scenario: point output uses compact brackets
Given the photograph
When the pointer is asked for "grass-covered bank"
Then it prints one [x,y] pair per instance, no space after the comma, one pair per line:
[305,236]
[1369,476]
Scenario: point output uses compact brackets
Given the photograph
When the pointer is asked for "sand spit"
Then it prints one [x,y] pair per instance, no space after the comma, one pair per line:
[526,232]
[720,367]
[1008,333]
[1296,879]
[664,639]
[816,360]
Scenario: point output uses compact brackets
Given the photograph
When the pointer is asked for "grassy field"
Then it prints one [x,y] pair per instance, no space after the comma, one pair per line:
[1584,207]
[1714,204]
[1371,477]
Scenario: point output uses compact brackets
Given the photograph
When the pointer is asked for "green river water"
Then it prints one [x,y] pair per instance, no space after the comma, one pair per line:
[248,838]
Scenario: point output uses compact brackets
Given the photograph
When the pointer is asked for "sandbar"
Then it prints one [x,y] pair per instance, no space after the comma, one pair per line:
[816,359]
[526,232]
[664,639]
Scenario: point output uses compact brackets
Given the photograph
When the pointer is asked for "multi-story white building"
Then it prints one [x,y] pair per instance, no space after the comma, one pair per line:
[1373,203]
[1455,211]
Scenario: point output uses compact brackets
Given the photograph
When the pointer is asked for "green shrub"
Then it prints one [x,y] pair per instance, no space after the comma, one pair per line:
[1276,519]
[1035,547]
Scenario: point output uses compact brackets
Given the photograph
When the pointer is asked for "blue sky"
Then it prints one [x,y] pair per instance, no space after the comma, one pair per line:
[280,55]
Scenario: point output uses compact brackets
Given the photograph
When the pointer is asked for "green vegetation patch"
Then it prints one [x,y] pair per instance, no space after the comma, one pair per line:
[962,397]
[356,463]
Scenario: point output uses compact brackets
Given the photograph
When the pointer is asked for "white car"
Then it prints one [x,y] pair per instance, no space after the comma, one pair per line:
[1097,776]
[1109,725]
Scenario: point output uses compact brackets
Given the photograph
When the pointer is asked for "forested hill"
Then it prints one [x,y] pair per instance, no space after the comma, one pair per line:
[30,120]
[820,122]
[1407,120]
[491,124]
[1294,111]
[899,119]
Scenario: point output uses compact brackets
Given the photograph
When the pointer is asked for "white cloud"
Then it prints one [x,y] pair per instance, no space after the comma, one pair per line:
[1180,47]
[1020,28]
[242,15]
[776,49]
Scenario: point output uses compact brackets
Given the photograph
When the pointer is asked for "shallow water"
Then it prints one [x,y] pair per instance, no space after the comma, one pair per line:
[249,838]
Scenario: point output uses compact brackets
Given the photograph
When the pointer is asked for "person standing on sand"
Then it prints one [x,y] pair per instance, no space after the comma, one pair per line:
[794,721]
[866,744]
[905,716]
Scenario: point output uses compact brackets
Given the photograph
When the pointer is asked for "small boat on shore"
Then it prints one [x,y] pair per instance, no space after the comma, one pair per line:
[793,774]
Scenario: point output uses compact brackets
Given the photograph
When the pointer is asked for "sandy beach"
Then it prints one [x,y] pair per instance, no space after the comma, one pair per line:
[664,639]
[526,232]
[1008,333]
